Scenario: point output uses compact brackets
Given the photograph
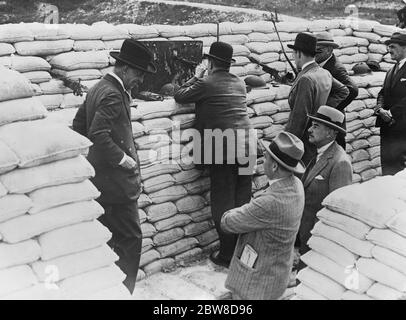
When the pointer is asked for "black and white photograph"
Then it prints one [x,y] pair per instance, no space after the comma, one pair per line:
[202,152]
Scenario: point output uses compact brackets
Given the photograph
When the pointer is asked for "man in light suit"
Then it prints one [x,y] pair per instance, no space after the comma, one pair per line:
[327,60]
[391,109]
[221,106]
[267,225]
[329,170]
[312,88]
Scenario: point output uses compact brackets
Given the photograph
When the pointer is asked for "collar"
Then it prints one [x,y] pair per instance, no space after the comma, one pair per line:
[306,64]
[323,149]
[321,64]
[402,62]
[121,83]
[271,182]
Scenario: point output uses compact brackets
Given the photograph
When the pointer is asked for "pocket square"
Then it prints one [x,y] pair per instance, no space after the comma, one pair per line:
[402,79]
[319,177]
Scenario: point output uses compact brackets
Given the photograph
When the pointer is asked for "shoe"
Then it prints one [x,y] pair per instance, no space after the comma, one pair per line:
[218,261]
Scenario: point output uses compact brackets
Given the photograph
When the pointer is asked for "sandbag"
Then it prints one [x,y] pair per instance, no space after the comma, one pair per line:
[168,31]
[360,247]
[177,247]
[172,193]
[143,200]
[202,214]
[36,77]
[265,108]
[39,142]
[388,239]
[8,159]
[139,31]
[187,256]
[77,263]
[178,220]
[13,32]
[350,295]
[26,64]
[43,48]
[20,253]
[193,229]
[87,283]
[381,292]
[390,258]
[153,141]
[3,192]
[149,257]
[159,169]
[13,85]
[64,117]
[83,31]
[198,186]
[347,224]
[148,230]
[147,244]
[54,86]
[398,223]
[13,205]
[118,292]
[27,226]
[158,183]
[16,278]
[88,45]
[138,129]
[80,74]
[158,266]
[72,101]
[305,293]
[160,211]
[51,174]
[207,237]
[183,121]
[43,31]
[35,292]
[168,236]
[332,251]
[347,277]
[59,242]
[80,60]
[157,125]
[321,284]
[109,31]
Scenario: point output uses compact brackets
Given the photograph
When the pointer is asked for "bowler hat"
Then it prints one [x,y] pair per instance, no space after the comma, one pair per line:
[397,37]
[326,39]
[305,42]
[331,117]
[136,55]
[221,51]
[287,150]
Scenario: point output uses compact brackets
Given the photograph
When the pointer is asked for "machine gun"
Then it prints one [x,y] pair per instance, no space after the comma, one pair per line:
[77,88]
[286,78]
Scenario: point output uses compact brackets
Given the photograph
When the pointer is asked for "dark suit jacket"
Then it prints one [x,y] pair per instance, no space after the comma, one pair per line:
[338,71]
[332,171]
[269,224]
[311,89]
[393,97]
[105,119]
[220,100]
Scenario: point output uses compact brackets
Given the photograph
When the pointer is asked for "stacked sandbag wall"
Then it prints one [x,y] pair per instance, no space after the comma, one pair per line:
[175,212]
[358,246]
[51,243]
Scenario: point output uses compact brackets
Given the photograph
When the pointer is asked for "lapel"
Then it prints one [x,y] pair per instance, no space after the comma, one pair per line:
[396,78]
[321,164]
[329,65]
[118,85]
[301,73]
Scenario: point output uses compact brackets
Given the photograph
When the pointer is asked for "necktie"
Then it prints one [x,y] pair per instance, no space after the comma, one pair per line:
[396,69]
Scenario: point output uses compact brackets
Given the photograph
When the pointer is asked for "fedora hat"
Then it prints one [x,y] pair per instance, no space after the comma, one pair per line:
[136,55]
[220,51]
[397,37]
[255,82]
[331,117]
[305,42]
[326,39]
[287,150]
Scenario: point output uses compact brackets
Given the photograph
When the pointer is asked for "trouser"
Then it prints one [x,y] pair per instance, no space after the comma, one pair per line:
[228,190]
[393,152]
[124,223]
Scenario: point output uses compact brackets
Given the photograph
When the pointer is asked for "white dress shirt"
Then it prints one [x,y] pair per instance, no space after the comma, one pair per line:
[323,149]
[306,64]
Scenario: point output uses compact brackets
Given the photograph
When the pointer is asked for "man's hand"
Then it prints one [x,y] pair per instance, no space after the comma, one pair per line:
[128,162]
[385,115]
[201,69]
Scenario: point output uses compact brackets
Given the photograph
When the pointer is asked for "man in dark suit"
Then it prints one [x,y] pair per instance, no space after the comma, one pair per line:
[329,170]
[105,119]
[220,99]
[311,89]
[391,109]
[267,225]
[327,60]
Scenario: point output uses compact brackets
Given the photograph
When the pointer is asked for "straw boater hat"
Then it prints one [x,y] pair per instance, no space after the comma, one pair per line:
[220,51]
[331,117]
[135,54]
[326,39]
[287,150]
[305,42]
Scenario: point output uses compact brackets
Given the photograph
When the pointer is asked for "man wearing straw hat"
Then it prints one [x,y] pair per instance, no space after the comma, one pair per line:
[312,88]
[329,170]
[267,226]
[105,119]
[228,144]
[327,60]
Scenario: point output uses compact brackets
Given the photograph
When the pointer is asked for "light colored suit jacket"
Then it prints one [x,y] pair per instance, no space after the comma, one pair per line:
[332,171]
[269,224]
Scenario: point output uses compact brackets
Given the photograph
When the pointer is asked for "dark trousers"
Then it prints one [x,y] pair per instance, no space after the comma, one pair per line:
[393,152]
[124,223]
[228,190]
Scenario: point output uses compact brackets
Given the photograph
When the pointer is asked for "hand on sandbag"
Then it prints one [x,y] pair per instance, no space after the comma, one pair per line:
[201,69]
[128,162]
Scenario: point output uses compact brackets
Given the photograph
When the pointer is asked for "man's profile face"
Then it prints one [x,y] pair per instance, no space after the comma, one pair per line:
[319,133]
[133,78]
[322,53]
[396,51]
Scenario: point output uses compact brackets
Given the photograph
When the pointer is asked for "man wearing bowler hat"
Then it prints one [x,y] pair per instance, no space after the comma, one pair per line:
[329,170]
[312,88]
[105,119]
[268,225]
[327,60]
[391,109]
[221,108]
